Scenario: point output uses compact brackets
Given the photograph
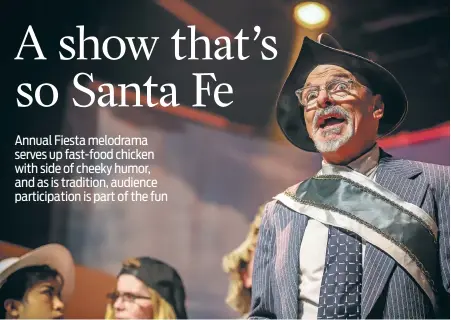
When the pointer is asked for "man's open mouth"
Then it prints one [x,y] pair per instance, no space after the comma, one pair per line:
[330,120]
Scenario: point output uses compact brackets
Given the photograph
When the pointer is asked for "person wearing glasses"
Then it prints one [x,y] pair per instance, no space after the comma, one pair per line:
[368,235]
[38,284]
[238,264]
[147,288]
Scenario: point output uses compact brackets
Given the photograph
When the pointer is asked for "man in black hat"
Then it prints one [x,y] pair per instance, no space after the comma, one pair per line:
[147,288]
[368,235]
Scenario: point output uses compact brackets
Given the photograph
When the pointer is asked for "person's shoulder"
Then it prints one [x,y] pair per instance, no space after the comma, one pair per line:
[293,188]
[429,168]
[290,190]
[274,205]
[426,167]
[269,209]
[436,175]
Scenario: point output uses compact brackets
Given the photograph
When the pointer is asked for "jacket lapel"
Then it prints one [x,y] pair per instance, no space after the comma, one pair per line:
[399,177]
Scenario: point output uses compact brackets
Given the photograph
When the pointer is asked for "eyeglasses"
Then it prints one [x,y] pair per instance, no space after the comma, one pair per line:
[126,296]
[335,89]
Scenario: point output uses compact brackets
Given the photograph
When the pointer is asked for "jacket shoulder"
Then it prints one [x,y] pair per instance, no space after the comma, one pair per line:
[293,188]
[436,175]
[274,206]
[429,169]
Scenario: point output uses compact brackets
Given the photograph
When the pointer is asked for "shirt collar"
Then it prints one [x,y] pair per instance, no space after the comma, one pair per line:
[365,164]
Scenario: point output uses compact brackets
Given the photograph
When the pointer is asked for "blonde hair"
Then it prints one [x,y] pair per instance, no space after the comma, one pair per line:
[239,297]
[160,307]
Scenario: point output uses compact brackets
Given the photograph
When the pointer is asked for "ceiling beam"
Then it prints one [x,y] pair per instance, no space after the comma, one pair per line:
[404,54]
[192,16]
[399,20]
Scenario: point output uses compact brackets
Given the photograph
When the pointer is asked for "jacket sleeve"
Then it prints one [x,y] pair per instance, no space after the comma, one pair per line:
[262,303]
[443,226]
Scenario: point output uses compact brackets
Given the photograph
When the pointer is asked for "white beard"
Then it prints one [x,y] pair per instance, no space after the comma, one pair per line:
[333,145]
[347,131]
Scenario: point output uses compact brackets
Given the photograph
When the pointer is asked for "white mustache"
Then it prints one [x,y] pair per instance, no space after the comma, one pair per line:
[329,110]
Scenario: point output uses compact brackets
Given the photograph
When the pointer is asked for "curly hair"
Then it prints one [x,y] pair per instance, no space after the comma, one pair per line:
[238,296]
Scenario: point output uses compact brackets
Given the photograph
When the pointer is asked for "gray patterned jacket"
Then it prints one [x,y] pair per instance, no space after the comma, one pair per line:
[387,290]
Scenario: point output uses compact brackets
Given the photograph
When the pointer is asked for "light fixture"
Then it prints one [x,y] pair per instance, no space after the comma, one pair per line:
[311,15]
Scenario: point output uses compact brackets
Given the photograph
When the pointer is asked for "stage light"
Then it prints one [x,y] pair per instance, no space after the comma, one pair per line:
[311,15]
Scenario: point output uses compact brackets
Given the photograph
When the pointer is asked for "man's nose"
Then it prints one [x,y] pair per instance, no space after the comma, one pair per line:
[323,99]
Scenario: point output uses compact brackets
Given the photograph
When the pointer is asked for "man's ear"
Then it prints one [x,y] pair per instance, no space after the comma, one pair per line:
[378,107]
[12,308]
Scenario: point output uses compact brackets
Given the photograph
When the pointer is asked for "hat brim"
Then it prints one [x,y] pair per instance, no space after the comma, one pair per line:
[290,116]
[56,257]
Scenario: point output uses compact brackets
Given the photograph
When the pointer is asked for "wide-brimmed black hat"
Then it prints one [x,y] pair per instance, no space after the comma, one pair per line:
[160,277]
[327,50]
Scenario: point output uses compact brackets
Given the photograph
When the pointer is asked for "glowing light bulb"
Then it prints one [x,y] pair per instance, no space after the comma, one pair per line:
[312,15]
